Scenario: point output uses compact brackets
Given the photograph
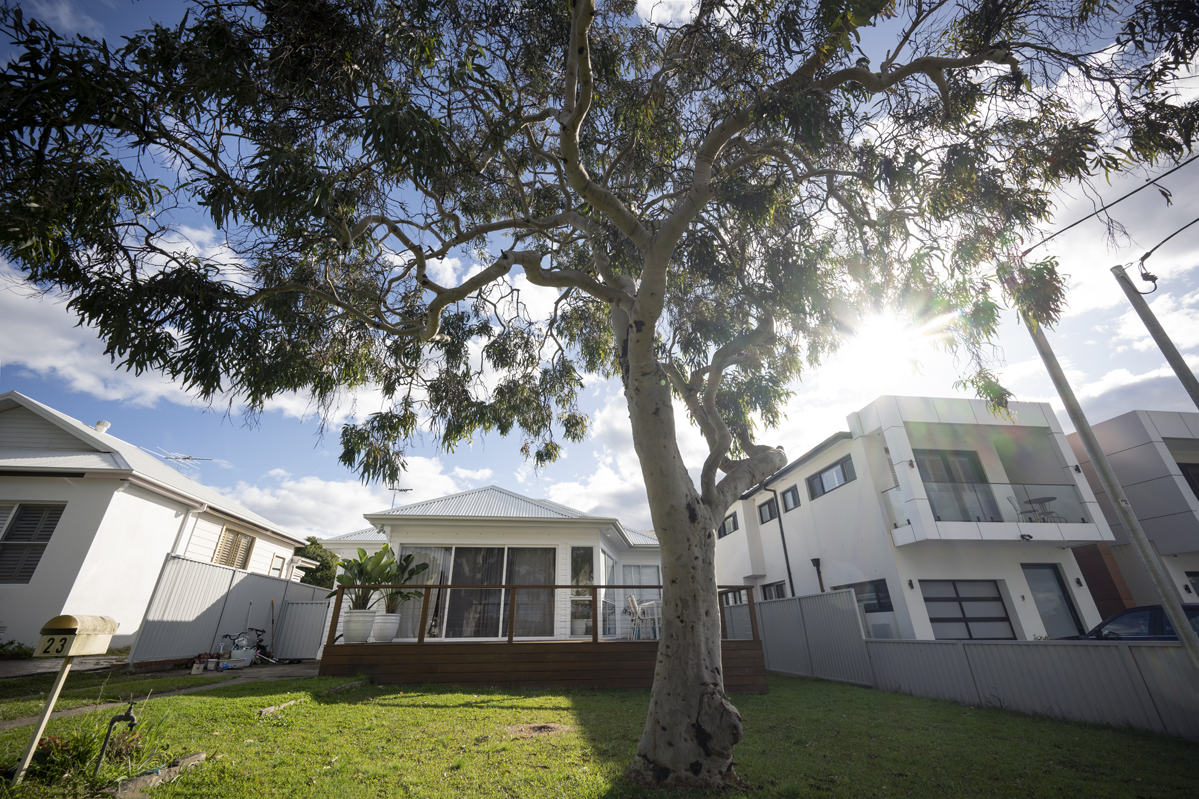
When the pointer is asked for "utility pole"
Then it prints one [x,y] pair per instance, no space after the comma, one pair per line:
[1173,357]
[1173,608]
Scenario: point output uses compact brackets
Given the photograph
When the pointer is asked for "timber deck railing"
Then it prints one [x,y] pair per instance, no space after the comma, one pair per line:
[592,591]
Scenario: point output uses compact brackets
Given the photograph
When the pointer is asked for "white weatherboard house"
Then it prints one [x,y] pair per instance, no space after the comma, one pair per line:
[1155,455]
[492,536]
[86,521]
[948,522]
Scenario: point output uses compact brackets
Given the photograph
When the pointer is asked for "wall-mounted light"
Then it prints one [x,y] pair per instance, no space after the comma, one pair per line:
[1078,581]
[910,584]
[1077,469]
[1026,536]
[911,464]
[1187,588]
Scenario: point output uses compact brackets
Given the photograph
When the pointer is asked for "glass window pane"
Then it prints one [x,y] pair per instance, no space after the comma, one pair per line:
[991,629]
[937,588]
[534,608]
[984,609]
[581,566]
[438,573]
[944,610]
[977,588]
[1130,624]
[475,612]
[950,630]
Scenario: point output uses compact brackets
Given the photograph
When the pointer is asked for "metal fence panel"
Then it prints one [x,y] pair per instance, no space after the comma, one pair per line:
[301,630]
[934,669]
[195,603]
[1088,681]
[832,619]
[736,622]
[184,610]
[249,605]
[784,641]
[1173,684]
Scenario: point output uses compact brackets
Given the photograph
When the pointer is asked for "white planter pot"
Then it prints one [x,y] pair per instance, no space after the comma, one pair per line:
[358,625]
[578,626]
[387,626]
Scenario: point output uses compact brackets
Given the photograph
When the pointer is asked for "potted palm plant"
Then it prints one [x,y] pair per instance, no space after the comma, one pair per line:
[365,571]
[401,572]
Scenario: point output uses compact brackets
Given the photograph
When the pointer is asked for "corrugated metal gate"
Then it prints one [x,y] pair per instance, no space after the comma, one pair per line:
[300,634]
[195,603]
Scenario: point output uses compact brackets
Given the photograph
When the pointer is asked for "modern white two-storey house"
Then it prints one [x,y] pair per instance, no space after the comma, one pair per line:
[948,521]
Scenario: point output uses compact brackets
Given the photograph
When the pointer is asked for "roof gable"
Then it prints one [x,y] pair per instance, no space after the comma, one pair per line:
[21,428]
[487,502]
[121,456]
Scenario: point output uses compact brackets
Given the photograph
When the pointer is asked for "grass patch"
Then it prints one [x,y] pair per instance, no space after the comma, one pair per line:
[805,738]
[114,690]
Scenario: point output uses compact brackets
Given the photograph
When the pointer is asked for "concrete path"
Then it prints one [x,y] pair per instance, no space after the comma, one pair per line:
[253,674]
[24,668]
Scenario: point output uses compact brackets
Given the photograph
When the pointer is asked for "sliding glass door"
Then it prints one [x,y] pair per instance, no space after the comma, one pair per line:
[534,607]
[482,612]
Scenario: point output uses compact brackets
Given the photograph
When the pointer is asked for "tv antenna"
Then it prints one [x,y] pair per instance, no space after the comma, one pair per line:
[395,489]
[181,459]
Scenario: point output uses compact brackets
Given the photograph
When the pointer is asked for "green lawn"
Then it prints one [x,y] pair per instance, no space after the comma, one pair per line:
[804,738]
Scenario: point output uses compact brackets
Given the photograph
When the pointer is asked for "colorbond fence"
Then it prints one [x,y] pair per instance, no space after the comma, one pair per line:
[1151,686]
[195,603]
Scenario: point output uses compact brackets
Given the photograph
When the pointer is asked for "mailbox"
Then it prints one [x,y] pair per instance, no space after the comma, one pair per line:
[72,636]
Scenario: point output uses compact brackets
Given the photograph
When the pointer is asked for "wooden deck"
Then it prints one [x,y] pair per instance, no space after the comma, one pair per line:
[547,664]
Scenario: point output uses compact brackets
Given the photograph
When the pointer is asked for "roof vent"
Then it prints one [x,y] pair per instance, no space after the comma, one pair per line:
[102,426]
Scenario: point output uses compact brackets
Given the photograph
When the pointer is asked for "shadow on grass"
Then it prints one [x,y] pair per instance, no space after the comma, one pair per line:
[805,738]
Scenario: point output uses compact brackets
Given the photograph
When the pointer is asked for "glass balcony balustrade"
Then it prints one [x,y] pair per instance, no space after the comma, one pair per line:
[994,502]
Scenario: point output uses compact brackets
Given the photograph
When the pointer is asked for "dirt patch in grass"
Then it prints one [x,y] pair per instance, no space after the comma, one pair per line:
[533,730]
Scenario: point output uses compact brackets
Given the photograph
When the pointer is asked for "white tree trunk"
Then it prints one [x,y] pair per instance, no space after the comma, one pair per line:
[692,727]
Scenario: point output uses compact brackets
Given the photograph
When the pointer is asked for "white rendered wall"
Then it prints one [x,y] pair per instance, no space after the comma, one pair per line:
[122,566]
[25,608]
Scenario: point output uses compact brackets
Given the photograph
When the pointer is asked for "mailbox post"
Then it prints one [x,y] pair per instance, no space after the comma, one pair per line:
[65,637]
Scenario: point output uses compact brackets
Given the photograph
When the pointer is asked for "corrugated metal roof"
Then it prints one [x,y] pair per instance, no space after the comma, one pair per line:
[490,502]
[369,534]
[59,459]
[129,457]
[641,538]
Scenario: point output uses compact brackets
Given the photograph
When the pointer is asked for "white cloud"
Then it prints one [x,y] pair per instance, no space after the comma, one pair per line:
[445,271]
[42,336]
[309,505]
[471,475]
[667,12]
[65,17]
[1179,318]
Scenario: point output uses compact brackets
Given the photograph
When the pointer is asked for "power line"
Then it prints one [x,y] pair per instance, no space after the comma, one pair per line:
[1167,238]
[1116,201]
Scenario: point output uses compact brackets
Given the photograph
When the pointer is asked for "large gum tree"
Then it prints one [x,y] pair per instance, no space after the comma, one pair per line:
[716,201]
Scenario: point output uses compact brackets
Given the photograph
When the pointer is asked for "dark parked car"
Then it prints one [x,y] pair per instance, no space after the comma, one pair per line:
[1146,623]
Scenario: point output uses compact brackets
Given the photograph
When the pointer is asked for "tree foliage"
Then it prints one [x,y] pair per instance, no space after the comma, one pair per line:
[322,574]
[716,201]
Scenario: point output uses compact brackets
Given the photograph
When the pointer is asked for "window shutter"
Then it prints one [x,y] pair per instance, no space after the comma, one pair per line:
[25,539]
[5,513]
[241,554]
[224,548]
[849,472]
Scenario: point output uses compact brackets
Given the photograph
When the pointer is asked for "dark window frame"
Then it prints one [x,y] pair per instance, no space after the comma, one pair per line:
[779,588]
[773,508]
[1055,570]
[882,603]
[815,482]
[791,494]
[724,528]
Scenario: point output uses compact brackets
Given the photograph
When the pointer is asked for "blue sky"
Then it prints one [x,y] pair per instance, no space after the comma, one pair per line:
[281,468]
